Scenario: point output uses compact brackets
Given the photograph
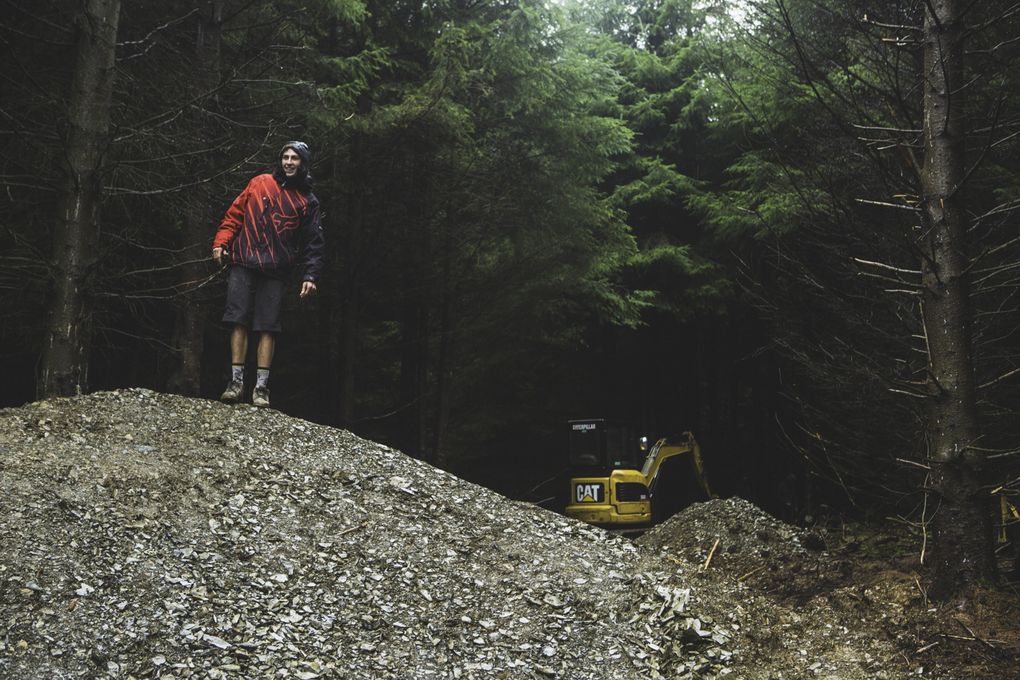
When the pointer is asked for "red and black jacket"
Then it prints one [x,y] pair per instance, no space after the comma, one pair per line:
[271,228]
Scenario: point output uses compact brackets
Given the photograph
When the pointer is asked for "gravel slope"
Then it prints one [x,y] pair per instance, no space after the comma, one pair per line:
[154,536]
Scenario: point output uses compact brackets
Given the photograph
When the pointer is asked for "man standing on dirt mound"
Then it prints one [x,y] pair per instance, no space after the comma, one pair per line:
[270,228]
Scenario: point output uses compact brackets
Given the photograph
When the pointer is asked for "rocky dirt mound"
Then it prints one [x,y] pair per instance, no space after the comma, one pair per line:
[736,555]
[740,540]
[153,536]
[835,595]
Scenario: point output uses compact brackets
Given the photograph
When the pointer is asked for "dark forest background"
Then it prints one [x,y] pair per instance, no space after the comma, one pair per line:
[787,225]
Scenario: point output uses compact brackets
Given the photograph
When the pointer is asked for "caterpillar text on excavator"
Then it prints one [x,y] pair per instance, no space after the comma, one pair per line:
[607,488]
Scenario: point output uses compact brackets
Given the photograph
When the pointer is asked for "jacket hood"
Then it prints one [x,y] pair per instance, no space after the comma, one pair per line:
[303,179]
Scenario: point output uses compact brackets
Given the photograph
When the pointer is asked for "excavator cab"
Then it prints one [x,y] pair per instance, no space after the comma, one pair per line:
[614,473]
[599,445]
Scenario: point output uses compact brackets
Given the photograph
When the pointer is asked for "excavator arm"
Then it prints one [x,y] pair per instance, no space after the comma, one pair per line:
[663,450]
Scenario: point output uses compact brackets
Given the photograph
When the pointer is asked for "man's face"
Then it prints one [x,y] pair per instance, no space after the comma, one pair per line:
[290,161]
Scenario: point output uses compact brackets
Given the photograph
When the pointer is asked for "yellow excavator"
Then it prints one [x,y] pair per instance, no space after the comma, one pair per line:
[607,488]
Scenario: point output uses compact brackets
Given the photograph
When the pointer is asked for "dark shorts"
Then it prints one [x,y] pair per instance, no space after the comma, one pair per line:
[253,300]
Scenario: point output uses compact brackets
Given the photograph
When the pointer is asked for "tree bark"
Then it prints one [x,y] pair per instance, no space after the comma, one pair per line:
[962,524]
[348,355]
[413,377]
[64,366]
[444,373]
[350,245]
[189,326]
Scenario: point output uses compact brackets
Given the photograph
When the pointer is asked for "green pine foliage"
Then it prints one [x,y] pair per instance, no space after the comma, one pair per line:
[534,210]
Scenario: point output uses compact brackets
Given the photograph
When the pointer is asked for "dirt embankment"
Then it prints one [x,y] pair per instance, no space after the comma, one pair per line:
[153,536]
[844,589]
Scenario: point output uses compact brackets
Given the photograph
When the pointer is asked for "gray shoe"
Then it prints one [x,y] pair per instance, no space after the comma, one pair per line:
[233,393]
[260,397]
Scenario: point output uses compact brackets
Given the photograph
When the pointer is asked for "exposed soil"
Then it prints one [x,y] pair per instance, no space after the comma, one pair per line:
[863,579]
[153,536]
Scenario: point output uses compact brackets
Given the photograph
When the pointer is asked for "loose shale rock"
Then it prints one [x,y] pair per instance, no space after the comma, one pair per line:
[154,536]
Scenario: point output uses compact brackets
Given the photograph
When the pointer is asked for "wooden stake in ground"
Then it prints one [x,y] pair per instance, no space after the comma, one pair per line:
[708,560]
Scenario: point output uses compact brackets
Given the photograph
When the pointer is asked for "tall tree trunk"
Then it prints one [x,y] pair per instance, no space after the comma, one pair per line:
[189,326]
[444,372]
[348,354]
[68,332]
[416,321]
[962,525]
[349,249]
[413,375]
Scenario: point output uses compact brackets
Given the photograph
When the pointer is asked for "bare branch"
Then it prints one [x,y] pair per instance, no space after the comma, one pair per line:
[1005,139]
[887,279]
[153,192]
[996,249]
[179,289]
[142,246]
[1015,9]
[912,272]
[173,156]
[1006,207]
[907,393]
[888,205]
[20,6]
[886,129]
[1002,377]
[914,463]
[271,81]
[896,27]
[156,30]
[153,270]
[995,271]
[994,48]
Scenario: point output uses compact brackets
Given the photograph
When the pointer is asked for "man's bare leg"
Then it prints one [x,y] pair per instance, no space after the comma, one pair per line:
[267,346]
[238,345]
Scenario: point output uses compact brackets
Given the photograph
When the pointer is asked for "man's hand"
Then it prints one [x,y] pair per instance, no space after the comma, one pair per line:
[219,255]
[307,288]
